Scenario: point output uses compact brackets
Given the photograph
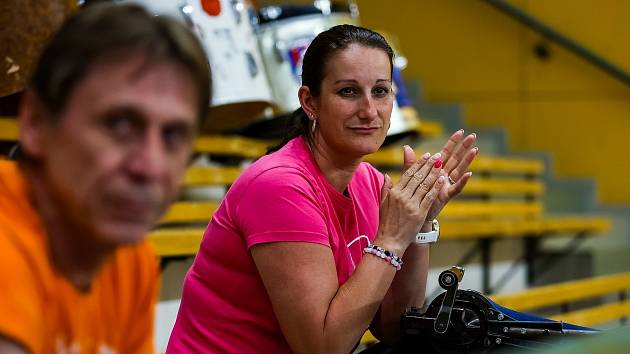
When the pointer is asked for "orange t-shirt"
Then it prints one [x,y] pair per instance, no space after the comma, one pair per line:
[41,310]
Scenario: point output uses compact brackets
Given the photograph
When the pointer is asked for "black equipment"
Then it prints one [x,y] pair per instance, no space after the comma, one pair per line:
[465,321]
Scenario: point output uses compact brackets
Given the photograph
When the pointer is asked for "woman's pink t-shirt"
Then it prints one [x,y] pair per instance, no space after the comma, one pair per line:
[283,197]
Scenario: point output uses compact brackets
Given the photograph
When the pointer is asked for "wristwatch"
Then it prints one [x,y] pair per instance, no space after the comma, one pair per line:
[431,236]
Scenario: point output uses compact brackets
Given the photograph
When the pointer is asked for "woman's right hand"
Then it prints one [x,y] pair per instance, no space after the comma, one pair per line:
[404,206]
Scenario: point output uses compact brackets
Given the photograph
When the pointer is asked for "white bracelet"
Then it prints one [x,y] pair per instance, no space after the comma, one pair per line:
[386,255]
[431,236]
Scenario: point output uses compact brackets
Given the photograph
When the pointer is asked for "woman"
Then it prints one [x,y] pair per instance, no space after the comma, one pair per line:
[287,263]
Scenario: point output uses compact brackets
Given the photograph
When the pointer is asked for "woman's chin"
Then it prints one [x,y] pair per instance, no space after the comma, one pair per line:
[368,149]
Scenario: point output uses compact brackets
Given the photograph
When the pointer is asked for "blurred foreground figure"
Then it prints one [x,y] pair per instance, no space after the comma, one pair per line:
[107,125]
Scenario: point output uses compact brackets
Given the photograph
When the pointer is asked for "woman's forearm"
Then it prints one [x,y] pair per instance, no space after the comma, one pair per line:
[354,306]
[408,289]
[317,315]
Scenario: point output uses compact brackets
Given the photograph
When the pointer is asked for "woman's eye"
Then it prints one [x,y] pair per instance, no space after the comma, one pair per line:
[381,91]
[347,91]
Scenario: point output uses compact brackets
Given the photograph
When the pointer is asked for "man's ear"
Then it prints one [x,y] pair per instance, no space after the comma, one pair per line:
[33,122]
[308,102]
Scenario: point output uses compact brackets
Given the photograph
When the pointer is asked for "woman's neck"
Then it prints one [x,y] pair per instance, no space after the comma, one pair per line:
[337,168]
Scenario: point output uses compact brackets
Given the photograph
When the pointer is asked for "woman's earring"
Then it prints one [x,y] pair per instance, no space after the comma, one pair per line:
[314,124]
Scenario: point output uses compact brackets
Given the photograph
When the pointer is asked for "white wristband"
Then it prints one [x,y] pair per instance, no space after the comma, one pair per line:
[429,237]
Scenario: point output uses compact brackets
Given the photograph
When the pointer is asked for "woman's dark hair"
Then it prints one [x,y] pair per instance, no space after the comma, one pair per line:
[318,53]
[106,31]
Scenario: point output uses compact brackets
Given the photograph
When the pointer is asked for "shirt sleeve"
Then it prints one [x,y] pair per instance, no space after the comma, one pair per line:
[21,295]
[282,204]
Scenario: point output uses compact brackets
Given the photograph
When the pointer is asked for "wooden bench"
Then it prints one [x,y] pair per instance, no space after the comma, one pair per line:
[201,211]
[563,294]
[501,201]
[8,129]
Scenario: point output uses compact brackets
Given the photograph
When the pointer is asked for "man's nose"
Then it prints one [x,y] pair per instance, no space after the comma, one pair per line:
[147,160]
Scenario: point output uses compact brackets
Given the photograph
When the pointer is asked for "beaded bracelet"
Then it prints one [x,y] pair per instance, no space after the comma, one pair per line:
[388,256]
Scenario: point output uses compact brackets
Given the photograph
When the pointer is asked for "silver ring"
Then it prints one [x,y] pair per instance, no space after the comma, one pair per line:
[451,180]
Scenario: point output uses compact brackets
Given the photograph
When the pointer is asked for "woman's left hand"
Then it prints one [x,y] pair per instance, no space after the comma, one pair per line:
[457,155]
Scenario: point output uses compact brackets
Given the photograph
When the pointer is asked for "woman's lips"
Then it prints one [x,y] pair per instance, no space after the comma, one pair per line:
[365,130]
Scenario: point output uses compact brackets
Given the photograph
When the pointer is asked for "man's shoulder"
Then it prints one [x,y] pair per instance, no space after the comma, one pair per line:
[22,239]
[140,256]
[18,220]
[25,282]
[21,245]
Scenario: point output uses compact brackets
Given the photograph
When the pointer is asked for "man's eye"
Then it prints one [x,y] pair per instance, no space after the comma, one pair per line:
[175,137]
[120,125]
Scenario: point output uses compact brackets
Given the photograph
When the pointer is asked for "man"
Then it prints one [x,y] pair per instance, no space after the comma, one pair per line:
[106,131]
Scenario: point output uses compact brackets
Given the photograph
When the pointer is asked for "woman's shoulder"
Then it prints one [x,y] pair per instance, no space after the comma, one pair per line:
[275,172]
[291,161]
[267,183]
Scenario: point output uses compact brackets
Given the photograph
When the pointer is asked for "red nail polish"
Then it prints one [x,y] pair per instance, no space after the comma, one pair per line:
[437,164]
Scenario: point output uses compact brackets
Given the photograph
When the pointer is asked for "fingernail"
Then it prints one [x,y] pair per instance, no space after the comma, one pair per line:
[476,149]
[426,156]
[440,179]
[474,135]
[437,156]
[437,164]
[406,147]
[461,131]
